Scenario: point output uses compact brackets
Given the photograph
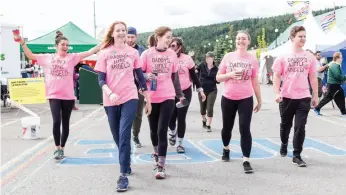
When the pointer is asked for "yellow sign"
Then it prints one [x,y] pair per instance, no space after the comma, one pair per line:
[27,90]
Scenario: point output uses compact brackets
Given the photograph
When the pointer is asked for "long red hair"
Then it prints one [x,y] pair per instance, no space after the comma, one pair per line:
[109,40]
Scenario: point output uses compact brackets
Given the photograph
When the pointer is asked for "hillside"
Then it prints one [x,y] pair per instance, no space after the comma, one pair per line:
[198,38]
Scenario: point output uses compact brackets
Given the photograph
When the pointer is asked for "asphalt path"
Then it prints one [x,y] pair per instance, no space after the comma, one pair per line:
[91,163]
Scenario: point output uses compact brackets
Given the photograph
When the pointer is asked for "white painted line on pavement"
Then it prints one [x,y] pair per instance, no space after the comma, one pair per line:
[49,159]
[40,144]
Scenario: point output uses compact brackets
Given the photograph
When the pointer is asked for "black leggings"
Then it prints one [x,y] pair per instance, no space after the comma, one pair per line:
[61,111]
[229,109]
[180,113]
[158,122]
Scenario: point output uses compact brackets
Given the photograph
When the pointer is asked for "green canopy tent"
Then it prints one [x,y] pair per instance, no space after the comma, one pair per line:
[79,40]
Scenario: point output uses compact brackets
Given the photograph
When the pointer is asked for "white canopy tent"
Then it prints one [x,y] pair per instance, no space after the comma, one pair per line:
[314,36]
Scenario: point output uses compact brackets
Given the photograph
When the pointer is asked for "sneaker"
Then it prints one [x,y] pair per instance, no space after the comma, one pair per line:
[57,155]
[129,170]
[123,184]
[160,172]
[208,129]
[137,142]
[318,113]
[62,155]
[299,161]
[283,150]
[156,158]
[172,139]
[247,167]
[225,156]
[204,123]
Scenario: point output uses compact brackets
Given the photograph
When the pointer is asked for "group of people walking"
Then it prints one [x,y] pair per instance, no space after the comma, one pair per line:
[159,82]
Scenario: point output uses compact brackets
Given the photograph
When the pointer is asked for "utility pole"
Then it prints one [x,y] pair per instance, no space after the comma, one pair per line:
[94,21]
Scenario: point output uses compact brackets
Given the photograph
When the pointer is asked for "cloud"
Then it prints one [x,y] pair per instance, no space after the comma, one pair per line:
[228,11]
[176,11]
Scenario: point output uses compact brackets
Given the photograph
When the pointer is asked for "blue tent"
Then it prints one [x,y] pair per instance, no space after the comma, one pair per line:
[331,50]
[343,51]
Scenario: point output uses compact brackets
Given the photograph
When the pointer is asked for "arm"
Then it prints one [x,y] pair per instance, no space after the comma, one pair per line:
[89,52]
[257,89]
[141,79]
[222,77]
[314,84]
[194,77]
[339,75]
[276,82]
[142,84]
[27,51]
[177,86]
[102,83]
[322,68]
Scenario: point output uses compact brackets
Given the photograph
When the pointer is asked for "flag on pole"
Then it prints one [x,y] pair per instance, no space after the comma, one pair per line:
[293,3]
[302,13]
[328,22]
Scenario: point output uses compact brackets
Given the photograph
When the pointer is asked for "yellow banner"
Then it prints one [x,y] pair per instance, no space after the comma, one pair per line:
[27,90]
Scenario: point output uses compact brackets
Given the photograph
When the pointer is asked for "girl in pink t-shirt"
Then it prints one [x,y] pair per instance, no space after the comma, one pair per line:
[239,72]
[160,65]
[187,74]
[58,71]
[115,65]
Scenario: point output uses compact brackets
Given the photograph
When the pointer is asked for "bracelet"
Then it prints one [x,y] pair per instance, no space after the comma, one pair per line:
[110,94]
[22,44]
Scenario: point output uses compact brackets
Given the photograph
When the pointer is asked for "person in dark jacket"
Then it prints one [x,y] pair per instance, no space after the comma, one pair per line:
[137,122]
[334,82]
[207,75]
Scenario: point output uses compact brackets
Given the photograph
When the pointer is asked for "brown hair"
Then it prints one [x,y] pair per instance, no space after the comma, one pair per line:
[245,32]
[152,40]
[336,56]
[159,32]
[180,43]
[59,37]
[295,30]
[108,40]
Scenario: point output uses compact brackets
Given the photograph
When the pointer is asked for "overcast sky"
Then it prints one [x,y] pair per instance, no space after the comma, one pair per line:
[42,16]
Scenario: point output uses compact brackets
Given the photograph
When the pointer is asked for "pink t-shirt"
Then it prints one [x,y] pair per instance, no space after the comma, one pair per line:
[237,89]
[58,73]
[118,64]
[163,63]
[295,69]
[185,63]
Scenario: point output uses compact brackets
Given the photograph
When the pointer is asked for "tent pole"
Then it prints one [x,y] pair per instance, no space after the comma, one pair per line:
[94,21]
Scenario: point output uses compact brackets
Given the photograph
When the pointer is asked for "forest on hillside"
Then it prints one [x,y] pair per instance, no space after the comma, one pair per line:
[220,37]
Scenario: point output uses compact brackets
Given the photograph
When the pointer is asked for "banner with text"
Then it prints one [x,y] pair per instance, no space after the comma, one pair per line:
[27,90]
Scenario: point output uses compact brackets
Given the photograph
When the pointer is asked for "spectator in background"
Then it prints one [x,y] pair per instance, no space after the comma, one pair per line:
[335,80]
[131,38]
[29,68]
[207,75]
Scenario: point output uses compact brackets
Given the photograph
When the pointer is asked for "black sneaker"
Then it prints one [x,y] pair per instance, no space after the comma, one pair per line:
[247,167]
[299,161]
[137,142]
[283,150]
[204,123]
[225,156]
[208,129]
